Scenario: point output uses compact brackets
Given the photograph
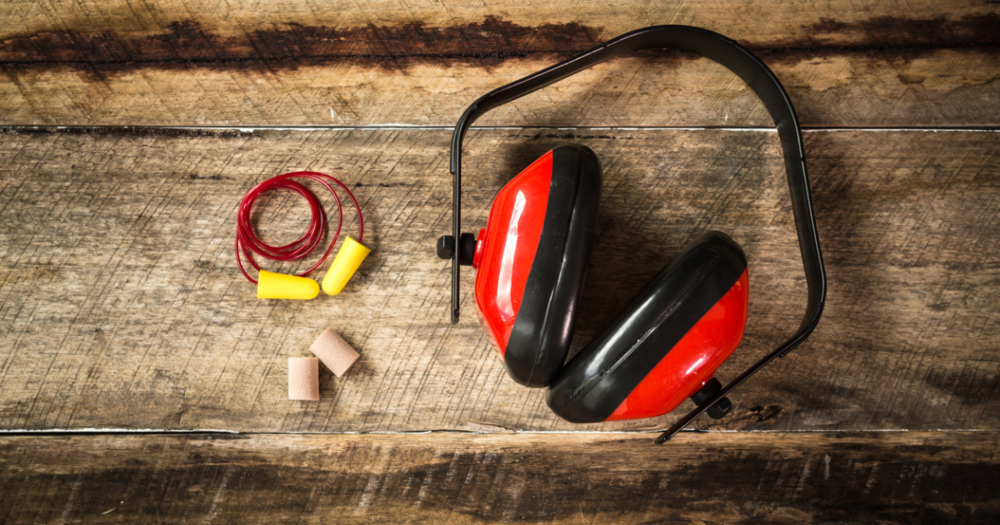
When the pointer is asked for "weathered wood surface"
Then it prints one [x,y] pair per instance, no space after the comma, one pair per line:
[287,62]
[121,305]
[886,478]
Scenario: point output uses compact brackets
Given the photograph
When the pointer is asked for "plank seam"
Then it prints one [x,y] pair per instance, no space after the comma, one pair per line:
[150,431]
[407,127]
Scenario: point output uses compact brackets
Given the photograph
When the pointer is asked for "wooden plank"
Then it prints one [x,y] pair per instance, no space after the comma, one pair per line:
[889,478]
[121,305]
[289,62]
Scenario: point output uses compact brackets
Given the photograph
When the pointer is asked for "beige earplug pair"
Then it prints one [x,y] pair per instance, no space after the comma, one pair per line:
[303,372]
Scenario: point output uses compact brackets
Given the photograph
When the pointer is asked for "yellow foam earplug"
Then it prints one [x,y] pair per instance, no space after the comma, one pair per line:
[272,285]
[344,265]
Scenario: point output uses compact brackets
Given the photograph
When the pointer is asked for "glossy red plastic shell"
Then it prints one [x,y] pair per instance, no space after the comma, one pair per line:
[506,249]
[693,360]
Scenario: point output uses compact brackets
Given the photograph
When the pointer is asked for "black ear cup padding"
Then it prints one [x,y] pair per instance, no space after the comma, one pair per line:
[597,380]
[541,335]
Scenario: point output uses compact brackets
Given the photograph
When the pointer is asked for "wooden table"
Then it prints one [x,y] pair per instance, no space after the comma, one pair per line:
[142,382]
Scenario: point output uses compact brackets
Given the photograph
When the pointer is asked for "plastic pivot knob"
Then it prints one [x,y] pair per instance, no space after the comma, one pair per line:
[446,248]
[347,261]
[271,285]
[721,407]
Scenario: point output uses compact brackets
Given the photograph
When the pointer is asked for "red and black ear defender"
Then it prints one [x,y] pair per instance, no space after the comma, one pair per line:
[532,258]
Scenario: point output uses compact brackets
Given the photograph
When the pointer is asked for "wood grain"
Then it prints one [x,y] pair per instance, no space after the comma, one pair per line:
[121,306]
[288,62]
[800,478]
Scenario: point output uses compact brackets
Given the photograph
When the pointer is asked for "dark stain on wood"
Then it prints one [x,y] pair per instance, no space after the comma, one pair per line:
[131,131]
[891,37]
[195,176]
[889,31]
[187,45]
[970,387]
[764,413]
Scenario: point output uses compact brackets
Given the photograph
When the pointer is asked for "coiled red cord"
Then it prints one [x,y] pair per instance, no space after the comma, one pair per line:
[247,241]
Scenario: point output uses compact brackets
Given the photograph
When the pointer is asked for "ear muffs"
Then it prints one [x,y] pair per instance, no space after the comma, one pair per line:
[648,360]
[666,344]
[544,306]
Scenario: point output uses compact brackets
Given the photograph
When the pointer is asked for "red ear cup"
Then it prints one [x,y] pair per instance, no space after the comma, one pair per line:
[666,344]
[532,260]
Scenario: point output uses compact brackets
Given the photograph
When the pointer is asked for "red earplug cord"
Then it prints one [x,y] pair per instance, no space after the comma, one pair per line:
[247,240]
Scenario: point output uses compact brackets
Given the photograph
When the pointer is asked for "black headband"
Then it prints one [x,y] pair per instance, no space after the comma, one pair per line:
[760,79]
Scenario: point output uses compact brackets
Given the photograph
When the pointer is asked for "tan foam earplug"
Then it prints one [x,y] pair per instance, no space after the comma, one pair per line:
[335,353]
[303,378]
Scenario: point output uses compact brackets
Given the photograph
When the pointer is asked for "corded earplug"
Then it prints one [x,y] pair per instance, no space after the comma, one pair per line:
[273,285]
[347,261]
